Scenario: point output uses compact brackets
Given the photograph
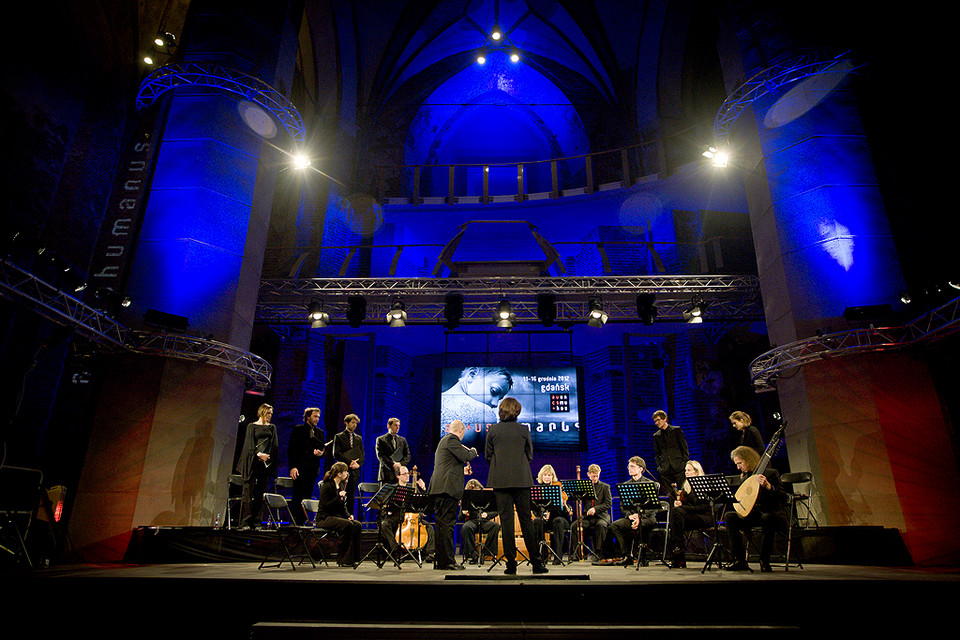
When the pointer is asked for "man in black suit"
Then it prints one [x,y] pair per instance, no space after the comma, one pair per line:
[596,515]
[303,456]
[766,512]
[509,450]
[635,521]
[446,484]
[393,452]
[348,449]
[670,447]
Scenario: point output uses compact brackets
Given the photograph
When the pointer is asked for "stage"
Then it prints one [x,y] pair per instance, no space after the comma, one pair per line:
[236,599]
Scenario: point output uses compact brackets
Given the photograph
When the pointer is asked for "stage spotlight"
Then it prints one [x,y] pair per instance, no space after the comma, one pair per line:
[504,317]
[165,39]
[148,60]
[646,308]
[301,161]
[318,317]
[694,315]
[481,58]
[546,308]
[514,57]
[453,309]
[397,317]
[356,310]
[718,157]
[596,317]
[495,34]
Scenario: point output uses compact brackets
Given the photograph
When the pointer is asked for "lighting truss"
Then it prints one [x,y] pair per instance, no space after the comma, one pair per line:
[22,287]
[772,79]
[935,324]
[192,74]
[283,301]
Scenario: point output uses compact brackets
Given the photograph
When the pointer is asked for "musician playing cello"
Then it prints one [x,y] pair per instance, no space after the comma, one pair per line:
[393,517]
[766,512]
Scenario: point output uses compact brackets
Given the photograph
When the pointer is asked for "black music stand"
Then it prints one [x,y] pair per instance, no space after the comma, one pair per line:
[642,496]
[716,490]
[580,490]
[547,497]
[389,494]
[478,501]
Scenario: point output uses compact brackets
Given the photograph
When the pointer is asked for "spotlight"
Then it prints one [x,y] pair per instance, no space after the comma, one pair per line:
[319,318]
[504,317]
[165,39]
[496,35]
[546,308]
[481,58]
[597,317]
[356,310]
[397,317]
[720,157]
[694,315]
[301,161]
[514,57]
[148,60]
[646,308]
[453,309]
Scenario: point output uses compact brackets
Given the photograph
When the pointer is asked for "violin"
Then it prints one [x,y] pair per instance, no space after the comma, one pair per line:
[412,533]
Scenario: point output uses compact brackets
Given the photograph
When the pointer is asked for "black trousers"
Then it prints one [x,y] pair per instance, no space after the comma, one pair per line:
[507,501]
[446,508]
[348,542]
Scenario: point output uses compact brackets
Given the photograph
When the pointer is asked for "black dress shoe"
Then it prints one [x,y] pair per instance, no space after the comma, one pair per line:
[739,565]
[765,567]
[511,569]
[540,569]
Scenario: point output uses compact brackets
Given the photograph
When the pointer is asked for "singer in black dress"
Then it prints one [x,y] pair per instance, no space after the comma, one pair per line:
[332,514]
[257,465]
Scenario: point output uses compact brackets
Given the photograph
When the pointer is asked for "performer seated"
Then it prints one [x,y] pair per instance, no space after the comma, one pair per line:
[332,514]
[596,514]
[689,512]
[392,519]
[555,521]
[482,521]
[636,522]
[766,512]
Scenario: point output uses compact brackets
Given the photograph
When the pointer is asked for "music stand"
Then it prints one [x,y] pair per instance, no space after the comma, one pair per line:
[543,496]
[389,494]
[716,490]
[580,490]
[421,504]
[478,501]
[642,496]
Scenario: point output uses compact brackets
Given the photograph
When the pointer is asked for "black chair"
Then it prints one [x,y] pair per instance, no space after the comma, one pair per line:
[315,536]
[234,497]
[289,536]
[366,491]
[790,480]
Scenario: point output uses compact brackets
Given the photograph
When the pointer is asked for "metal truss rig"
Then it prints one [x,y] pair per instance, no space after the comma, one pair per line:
[938,323]
[192,74]
[22,287]
[285,301]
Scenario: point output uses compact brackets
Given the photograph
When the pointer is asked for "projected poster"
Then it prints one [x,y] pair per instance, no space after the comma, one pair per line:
[549,397]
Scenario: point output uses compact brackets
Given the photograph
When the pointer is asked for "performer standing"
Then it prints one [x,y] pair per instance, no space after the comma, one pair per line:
[447,485]
[257,465]
[303,458]
[474,521]
[509,450]
[348,449]
[749,434]
[670,448]
[597,514]
[393,452]
[635,521]
[765,513]
[332,514]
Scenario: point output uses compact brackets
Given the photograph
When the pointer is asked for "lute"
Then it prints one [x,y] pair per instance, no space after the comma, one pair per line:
[750,487]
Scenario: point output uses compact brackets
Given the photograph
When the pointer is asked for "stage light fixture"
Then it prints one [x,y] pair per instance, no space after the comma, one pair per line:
[356,310]
[718,157]
[596,317]
[514,57]
[301,160]
[318,317]
[148,60]
[481,58]
[646,308]
[504,317]
[694,314]
[453,309]
[165,39]
[496,34]
[546,308]
[397,317]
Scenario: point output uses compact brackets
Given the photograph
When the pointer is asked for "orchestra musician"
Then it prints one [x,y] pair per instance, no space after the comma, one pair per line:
[636,521]
[332,514]
[481,521]
[749,434]
[257,465]
[393,518]
[553,520]
[688,512]
[304,453]
[446,485]
[596,518]
[765,513]
[670,450]
[348,449]
[392,452]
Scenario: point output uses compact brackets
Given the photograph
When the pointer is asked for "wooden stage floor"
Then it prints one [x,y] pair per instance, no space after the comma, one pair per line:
[238,600]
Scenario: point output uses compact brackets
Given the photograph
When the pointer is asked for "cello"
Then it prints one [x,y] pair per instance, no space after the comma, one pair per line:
[412,533]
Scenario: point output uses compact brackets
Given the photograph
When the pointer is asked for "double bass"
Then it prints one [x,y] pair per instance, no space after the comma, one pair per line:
[412,533]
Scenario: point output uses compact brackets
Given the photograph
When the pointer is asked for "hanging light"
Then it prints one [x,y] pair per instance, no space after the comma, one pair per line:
[318,317]
[596,317]
[694,314]
[481,58]
[397,317]
[504,317]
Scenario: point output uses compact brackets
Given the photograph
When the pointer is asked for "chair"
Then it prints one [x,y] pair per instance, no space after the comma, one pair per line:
[289,536]
[235,484]
[314,534]
[790,480]
[367,490]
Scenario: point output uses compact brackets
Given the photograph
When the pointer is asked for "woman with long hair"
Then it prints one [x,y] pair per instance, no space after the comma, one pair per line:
[257,465]
[332,514]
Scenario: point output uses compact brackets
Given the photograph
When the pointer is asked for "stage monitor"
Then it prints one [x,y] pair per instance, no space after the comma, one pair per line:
[550,397]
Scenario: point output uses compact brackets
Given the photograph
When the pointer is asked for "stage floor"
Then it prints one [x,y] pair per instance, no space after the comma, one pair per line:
[238,600]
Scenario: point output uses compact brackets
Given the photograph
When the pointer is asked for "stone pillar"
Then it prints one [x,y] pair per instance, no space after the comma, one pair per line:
[164,442]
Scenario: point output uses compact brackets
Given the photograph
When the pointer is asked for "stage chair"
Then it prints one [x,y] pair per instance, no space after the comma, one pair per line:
[289,536]
[367,490]
[235,483]
[312,534]
[799,498]
[284,486]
